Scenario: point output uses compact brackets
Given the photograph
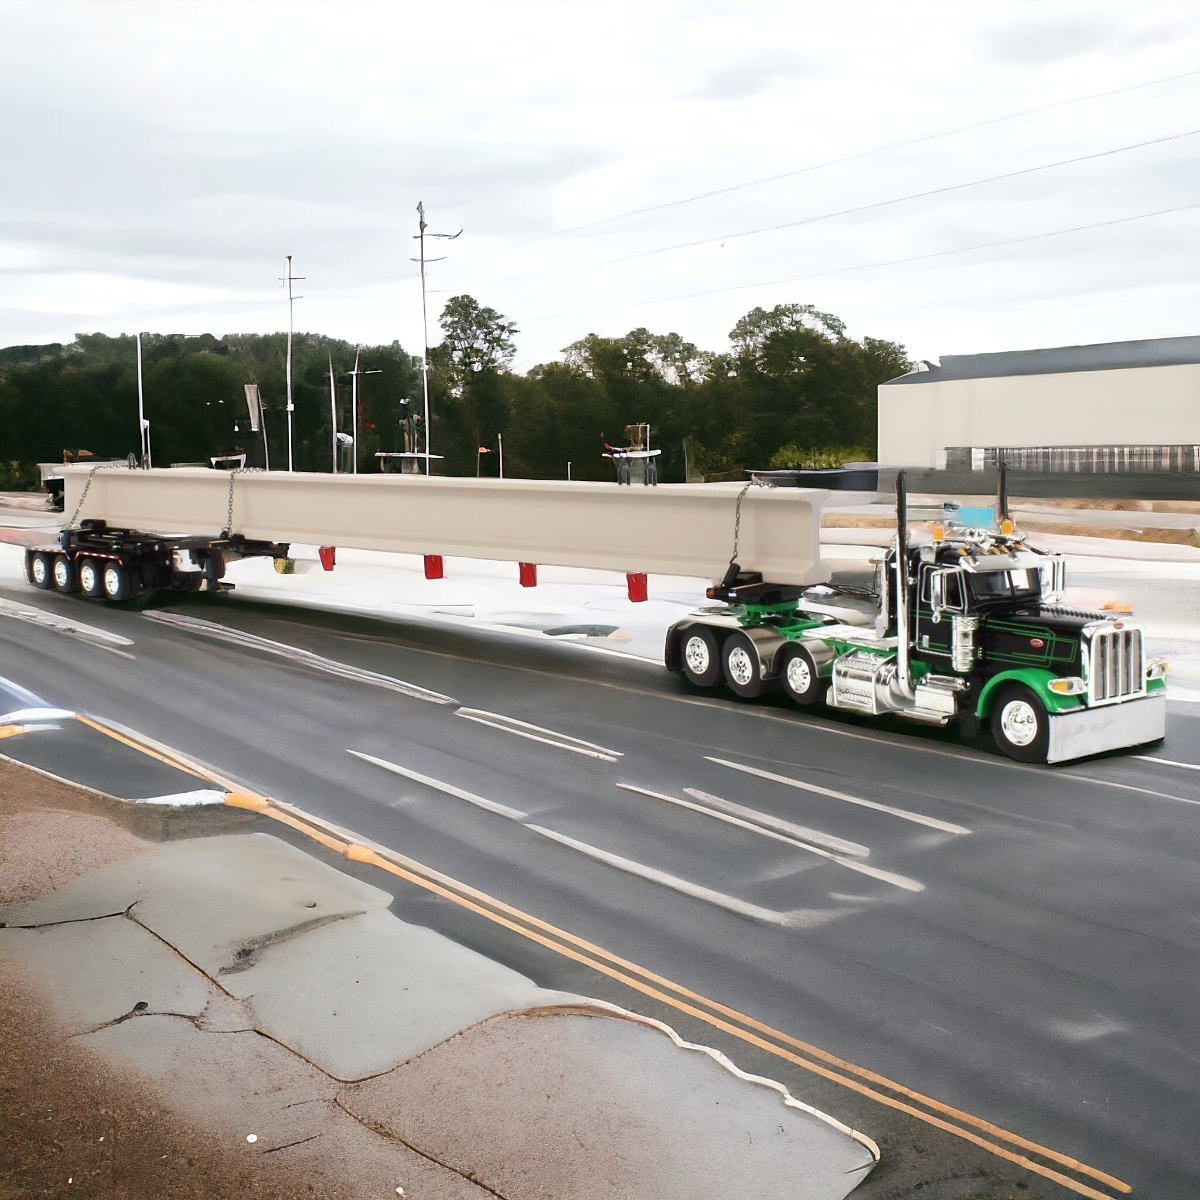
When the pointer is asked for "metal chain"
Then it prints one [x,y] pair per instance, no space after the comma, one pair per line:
[87,487]
[229,505]
[737,515]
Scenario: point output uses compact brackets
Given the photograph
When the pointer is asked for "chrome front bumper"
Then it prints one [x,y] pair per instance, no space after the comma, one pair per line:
[1113,727]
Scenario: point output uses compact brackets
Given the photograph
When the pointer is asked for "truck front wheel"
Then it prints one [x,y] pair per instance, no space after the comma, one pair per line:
[700,650]
[1020,724]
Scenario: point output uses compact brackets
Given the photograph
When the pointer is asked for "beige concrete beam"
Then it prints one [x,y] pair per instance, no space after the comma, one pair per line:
[675,529]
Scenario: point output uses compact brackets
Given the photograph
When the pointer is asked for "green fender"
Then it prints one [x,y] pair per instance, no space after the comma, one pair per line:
[1037,679]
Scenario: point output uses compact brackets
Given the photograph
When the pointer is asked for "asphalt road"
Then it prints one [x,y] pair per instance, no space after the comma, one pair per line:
[1023,948]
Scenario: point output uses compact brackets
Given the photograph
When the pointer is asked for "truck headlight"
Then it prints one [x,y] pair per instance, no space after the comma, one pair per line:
[1157,668]
[1071,686]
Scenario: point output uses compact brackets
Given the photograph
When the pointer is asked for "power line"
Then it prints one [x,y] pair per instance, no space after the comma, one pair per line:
[833,162]
[894,262]
[953,187]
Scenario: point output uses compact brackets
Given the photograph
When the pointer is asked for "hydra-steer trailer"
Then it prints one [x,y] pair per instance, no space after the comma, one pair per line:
[123,564]
[969,629]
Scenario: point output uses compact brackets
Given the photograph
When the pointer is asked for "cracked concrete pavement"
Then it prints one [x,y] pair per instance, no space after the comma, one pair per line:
[235,987]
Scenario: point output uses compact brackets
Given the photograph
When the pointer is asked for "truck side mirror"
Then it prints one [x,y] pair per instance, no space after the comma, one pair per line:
[937,594]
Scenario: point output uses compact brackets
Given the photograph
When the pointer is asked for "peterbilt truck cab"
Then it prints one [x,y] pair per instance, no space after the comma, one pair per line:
[968,628]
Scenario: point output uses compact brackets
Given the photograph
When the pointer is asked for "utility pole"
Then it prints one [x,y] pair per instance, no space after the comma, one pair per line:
[354,399]
[143,424]
[420,236]
[500,444]
[333,409]
[288,279]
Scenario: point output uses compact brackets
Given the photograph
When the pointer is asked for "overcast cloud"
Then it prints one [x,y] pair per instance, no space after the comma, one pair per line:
[160,159]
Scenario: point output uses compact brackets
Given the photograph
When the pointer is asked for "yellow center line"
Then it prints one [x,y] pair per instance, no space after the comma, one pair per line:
[645,981]
[178,764]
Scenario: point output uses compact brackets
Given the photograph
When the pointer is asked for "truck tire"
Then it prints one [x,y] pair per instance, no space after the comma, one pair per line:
[64,574]
[91,578]
[799,677]
[743,672]
[1020,724]
[118,584]
[40,569]
[700,651]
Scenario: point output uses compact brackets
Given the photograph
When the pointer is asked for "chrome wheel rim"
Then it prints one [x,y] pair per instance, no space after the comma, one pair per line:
[1019,722]
[87,577]
[799,677]
[112,580]
[695,654]
[740,666]
[62,573]
[39,570]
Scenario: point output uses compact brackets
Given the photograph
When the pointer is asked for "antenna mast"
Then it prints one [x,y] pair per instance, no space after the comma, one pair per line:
[288,278]
[420,236]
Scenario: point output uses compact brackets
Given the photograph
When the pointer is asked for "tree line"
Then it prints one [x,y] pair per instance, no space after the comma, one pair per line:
[792,390]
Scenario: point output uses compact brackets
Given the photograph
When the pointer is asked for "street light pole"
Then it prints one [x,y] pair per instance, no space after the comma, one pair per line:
[143,424]
[354,398]
[354,404]
[291,299]
[333,409]
[424,327]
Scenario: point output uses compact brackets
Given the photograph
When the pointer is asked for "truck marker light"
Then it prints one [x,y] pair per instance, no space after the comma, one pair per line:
[1036,643]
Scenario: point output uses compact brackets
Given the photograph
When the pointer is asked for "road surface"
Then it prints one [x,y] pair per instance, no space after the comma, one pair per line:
[1016,942]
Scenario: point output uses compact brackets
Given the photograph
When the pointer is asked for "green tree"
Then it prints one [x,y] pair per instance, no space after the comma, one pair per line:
[473,399]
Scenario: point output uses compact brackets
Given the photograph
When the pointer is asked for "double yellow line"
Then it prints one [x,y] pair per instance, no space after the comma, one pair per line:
[984,1134]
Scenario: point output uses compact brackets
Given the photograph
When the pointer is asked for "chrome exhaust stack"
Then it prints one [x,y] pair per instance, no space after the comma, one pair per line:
[903,670]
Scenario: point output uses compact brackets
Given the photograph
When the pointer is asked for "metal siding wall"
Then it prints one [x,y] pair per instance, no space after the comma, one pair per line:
[1138,405]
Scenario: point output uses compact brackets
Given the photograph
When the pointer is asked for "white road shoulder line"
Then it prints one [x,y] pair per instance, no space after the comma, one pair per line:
[59,624]
[695,890]
[900,881]
[799,832]
[1167,762]
[903,813]
[305,658]
[561,740]
[491,806]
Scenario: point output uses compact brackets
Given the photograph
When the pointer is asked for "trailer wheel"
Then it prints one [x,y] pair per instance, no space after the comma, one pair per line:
[91,579]
[64,574]
[1020,724]
[700,651]
[40,569]
[799,677]
[118,584]
[743,672]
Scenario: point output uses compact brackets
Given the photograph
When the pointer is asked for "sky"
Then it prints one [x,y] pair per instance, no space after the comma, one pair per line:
[611,165]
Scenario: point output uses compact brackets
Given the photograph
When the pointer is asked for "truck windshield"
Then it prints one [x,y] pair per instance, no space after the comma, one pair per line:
[1022,584]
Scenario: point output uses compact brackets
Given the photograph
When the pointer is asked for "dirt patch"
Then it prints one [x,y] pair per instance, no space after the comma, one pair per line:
[40,851]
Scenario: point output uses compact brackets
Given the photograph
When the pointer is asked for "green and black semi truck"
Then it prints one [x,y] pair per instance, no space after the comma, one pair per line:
[967,628]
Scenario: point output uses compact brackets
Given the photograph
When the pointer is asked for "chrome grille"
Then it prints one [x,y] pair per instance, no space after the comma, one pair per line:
[1117,666]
